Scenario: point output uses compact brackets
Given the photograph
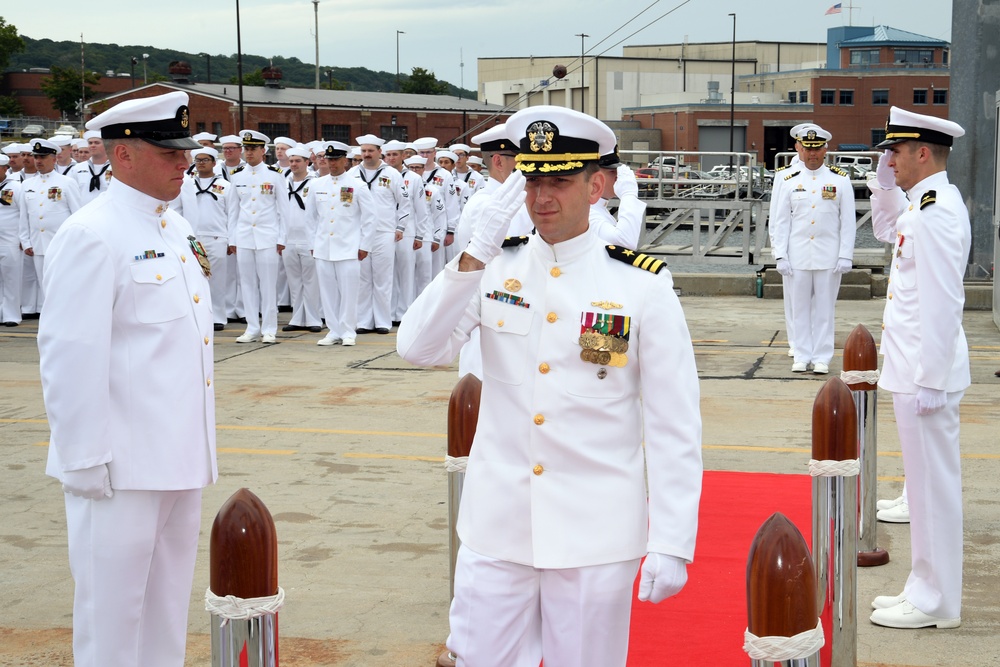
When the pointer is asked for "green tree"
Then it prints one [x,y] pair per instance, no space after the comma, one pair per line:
[423,82]
[10,106]
[63,87]
[10,43]
[254,78]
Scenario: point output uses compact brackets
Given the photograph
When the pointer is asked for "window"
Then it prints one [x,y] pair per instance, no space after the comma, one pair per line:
[803,96]
[878,136]
[274,129]
[826,96]
[217,128]
[914,57]
[920,96]
[940,96]
[341,133]
[880,98]
[390,132]
[847,97]
[619,80]
[792,97]
[864,57]
[199,128]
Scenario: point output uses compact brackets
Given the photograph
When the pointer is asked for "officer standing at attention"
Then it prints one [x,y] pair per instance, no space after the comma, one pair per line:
[10,247]
[213,197]
[129,394]
[926,366]
[586,354]
[814,223]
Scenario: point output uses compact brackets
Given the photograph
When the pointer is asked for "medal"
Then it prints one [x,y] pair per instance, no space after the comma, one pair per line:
[512,285]
[199,252]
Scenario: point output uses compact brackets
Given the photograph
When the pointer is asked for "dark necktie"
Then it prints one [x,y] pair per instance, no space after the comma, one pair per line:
[295,193]
[206,191]
[95,179]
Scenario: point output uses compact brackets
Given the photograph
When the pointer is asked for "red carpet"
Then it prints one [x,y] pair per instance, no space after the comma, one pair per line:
[704,624]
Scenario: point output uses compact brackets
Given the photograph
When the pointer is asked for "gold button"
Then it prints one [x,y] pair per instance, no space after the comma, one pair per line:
[42,229]
[206,340]
[911,207]
[883,326]
[208,382]
[538,470]
[331,233]
[197,298]
[499,323]
[254,224]
[552,317]
[159,277]
[814,205]
[163,223]
[184,258]
[555,272]
[543,368]
[890,296]
[539,419]
[811,238]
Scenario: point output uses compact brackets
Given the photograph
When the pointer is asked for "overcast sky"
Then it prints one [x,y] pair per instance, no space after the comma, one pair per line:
[441,37]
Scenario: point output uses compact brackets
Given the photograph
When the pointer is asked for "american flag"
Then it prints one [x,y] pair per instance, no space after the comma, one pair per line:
[834,10]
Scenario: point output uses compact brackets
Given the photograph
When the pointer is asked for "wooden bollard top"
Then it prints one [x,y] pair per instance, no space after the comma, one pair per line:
[463,414]
[243,551]
[834,423]
[860,354]
[781,581]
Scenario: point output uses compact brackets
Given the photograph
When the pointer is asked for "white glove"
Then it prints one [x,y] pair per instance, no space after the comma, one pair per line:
[784,267]
[884,174]
[491,228]
[626,184]
[93,483]
[663,576]
[843,265]
[930,400]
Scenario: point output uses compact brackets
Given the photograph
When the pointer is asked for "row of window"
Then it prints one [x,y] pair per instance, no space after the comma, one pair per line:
[341,133]
[880,97]
[904,57]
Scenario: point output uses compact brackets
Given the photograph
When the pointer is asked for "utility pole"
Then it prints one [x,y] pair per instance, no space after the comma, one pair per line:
[732,93]
[583,70]
[398,33]
[316,12]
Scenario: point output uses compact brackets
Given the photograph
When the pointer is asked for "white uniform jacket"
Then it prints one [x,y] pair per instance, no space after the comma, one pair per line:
[47,200]
[443,179]
[555,477]
[300,230]
[922,336]
[91,179]
[386,187]
[418,224]
[260,216]
[212,197]
[813,219]
[341,213]
[10,212]
[437,212]
[521,225]
[626,229]
[125,347]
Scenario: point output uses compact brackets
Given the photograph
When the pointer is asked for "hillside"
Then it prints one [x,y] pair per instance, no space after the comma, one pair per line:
[104,57]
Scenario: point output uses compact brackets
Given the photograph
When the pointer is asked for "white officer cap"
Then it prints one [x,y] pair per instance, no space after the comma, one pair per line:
[336,149]
[96,133]
[205,150]
[475,159]
[299,151]
[230,139]
[161,120]
[905,125]
[393,145]
[558,141]
[291,143]
[415,160]
[61,140]
[369,139]
[798,129]
[4,160]
[814,136]
[448,154]
[254,138]
[454,148]
[204,136]
[43,147]
[425,144]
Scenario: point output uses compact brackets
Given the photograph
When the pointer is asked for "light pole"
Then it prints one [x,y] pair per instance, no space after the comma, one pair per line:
[239,64]
[398,33]
[329,79]
[316,13]
[732,94]
[208,59]
[134,62]
[145,57]
[583,70]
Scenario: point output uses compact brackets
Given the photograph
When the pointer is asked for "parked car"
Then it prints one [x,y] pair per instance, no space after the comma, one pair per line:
[66,130]
[650,182]
[5,127]
[32,131]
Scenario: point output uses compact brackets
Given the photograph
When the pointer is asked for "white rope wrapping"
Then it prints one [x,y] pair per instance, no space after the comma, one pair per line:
[455,463]
[232,608]
[858,377]
[803,645]
[848,468]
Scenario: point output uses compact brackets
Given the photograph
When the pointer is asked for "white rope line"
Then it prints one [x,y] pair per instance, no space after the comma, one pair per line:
[775,649]
[859,377]
[455,463]
[848,468]
[232,608]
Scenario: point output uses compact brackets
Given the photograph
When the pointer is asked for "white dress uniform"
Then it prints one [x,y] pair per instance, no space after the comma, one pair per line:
[391,210]
[559,438]
[624,231]
[342,212]
[437,211]
[443,179]
[473,182]
[46,201]
[10,251]
[814,224]
[92,179]
[213,197]
[786,281]
[257,226]
[924,345]
[300,267]
[126,356]
[413,227]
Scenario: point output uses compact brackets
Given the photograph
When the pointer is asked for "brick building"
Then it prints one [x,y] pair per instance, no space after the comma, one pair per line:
[26,88]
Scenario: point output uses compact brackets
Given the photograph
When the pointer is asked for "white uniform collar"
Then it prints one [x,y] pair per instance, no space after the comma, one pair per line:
[937,179]
[567,251]
[129,196]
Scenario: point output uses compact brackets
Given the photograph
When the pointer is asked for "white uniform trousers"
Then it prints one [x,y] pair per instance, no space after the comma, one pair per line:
[258,283]
[10,283]
[30,286]
[438,261]
[234,297]
[510,615]
[814,297]
[215,248]
[338,292]
[422,268]
[930,445]
[786,291]
[132,558]
[283,293]
[375,292]
[38,262]
[403,270]
[303,287]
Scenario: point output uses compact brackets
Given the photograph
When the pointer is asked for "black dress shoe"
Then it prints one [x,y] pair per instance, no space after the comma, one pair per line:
[363,331]
[236,320]
[284,309]
[396,323]
[219,326]
[29,316]
[292,327]
[997,373]
[10,324]
[315,329]
[381,331]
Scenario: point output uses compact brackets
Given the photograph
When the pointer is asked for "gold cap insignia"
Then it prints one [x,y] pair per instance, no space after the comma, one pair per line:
[540,135]
[184,117]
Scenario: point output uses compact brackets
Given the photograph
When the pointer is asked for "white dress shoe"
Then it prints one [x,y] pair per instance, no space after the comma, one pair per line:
[268,339]
[886,601]
[819,368]
[799,367]
[886,504]
[247,338]
[347,342]
[904,615]
[791,352]
[898,514]
[327,341]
